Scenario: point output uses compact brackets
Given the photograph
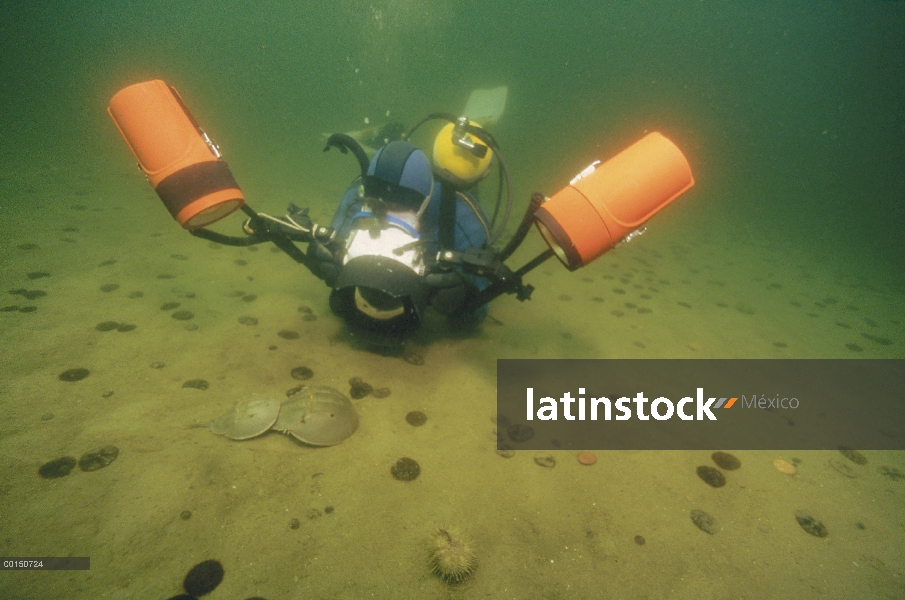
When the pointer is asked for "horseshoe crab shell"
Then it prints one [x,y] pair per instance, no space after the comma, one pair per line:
[248,418]
[318,416]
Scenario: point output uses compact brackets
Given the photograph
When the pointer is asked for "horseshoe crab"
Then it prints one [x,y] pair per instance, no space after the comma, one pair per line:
[318,416]
[248,418]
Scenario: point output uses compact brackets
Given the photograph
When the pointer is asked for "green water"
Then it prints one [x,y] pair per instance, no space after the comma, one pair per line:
[790,245]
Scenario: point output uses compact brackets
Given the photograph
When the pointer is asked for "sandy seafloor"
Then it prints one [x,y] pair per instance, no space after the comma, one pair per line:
[565,532]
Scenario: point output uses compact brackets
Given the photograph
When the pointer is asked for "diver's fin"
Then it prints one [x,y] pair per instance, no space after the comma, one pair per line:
[375,137]
[486,106]
[362,136]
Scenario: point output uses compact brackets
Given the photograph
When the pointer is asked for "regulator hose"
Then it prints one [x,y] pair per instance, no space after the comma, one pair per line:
[518,237]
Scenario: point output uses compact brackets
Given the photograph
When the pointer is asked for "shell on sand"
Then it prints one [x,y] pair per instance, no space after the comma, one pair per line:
[784,467]
[451,555]
[318,415]
[586,458]
[248,418]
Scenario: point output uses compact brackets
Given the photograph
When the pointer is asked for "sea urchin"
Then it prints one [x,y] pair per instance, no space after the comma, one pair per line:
[452,555]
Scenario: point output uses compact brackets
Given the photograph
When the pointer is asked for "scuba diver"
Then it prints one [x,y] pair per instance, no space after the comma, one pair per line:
[409,232]
[402,213]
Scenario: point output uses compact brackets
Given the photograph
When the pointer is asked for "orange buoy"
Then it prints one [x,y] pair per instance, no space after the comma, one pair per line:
[182,164]
[606,202]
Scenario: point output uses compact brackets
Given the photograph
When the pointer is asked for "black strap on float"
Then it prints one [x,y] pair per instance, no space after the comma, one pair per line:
[195,181]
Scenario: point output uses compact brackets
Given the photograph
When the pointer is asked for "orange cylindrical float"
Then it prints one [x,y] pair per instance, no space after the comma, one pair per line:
[181,162]
[604,204]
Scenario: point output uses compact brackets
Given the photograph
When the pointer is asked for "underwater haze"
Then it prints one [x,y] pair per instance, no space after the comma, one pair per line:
[123,336]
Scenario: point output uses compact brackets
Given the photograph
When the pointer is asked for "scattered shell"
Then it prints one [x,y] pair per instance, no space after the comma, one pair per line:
[248,418]
[545,460]
[520,433]
[810,524]
[196,384]
[853,455]
[586,458]
[59,467]
[710,476]
[784,467]
[74,374]
[405,469]
[203,578]
[416,418]
[414,359]
[842,468]
[891,473]
[99,458]
[358,388]
[703,521]
[302,373]
[726,461]
[318,415]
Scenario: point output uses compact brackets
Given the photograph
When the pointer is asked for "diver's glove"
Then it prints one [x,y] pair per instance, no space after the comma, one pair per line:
[450,292]
[323,263]
[296,225]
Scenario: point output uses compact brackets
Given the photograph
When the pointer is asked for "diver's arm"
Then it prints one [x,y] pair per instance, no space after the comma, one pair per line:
[284,232]
[323,262]
[450,270]
[451,292]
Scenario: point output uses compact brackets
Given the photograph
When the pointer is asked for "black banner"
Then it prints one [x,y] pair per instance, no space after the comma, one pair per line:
[45,563]
[701,404]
